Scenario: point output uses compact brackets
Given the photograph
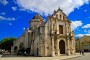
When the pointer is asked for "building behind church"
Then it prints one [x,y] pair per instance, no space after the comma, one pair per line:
[51,38]
[83,43]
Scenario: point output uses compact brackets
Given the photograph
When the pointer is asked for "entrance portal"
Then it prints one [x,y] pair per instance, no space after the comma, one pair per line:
[37,51]
[62,47]
[15,49]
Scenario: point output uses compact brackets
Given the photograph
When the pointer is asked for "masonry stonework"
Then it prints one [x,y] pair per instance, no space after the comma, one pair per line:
[51,38]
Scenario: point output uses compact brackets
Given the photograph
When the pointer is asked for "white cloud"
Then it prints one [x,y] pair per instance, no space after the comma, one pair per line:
[89,17]
[6,18]
[86,26]
[14,8]
[89,31]
[85,10]
[24,28]
[81,35]
[3,13]
[4,2]
[48,6]
[10,24]
[79,30]
[85,31]
[76,24]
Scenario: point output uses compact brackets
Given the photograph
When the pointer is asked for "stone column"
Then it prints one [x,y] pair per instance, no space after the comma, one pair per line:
[53,50]
[73,46]
[57,48]
[68,47]
[12,50]
[45,49]
[26,39]
[32,49]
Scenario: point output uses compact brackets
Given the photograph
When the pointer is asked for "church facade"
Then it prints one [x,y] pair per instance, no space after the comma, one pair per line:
[51,38]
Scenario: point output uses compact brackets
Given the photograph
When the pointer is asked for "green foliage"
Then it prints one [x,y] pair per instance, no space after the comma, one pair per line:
[6,43]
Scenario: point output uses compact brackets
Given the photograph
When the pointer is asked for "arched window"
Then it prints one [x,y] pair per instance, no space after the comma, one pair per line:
[63,18]
[38,30]
[56,15]
[60,16]
[15,49]
[32,35]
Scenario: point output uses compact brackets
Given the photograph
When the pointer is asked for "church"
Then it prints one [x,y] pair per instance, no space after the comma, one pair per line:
[53,37]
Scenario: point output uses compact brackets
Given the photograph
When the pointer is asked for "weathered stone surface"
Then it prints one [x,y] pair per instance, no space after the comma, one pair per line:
[50,38]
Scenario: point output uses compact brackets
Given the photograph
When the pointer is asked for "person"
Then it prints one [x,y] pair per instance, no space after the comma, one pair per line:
[80,52]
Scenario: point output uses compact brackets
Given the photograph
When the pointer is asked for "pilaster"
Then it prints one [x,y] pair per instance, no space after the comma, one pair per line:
[57,48]
[53,50]
[68,48]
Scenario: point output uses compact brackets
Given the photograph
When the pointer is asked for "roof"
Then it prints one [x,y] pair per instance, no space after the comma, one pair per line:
[37,17]
[85,38]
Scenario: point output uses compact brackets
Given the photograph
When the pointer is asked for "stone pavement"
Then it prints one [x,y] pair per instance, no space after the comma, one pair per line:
[41,58]
[84,57]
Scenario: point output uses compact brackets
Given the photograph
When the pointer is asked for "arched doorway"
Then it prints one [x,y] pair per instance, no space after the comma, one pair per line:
[28,50]
[15,49]
[62,47]
[37,51]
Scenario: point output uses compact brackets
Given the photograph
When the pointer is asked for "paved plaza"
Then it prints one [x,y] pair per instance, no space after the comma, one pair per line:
[64,57]
[85,57]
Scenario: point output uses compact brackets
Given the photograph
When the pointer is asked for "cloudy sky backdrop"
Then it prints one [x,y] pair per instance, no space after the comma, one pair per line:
[16,14]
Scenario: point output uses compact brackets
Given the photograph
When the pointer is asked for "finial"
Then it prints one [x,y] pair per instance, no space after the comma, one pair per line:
[55,11]
[59,9]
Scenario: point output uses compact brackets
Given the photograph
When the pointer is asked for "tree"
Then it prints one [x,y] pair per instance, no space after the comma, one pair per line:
[6,43]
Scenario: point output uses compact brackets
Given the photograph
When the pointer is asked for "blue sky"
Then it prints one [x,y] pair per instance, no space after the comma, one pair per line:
[16,14]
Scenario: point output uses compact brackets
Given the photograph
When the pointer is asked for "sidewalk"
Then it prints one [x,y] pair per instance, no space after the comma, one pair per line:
[41,58]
